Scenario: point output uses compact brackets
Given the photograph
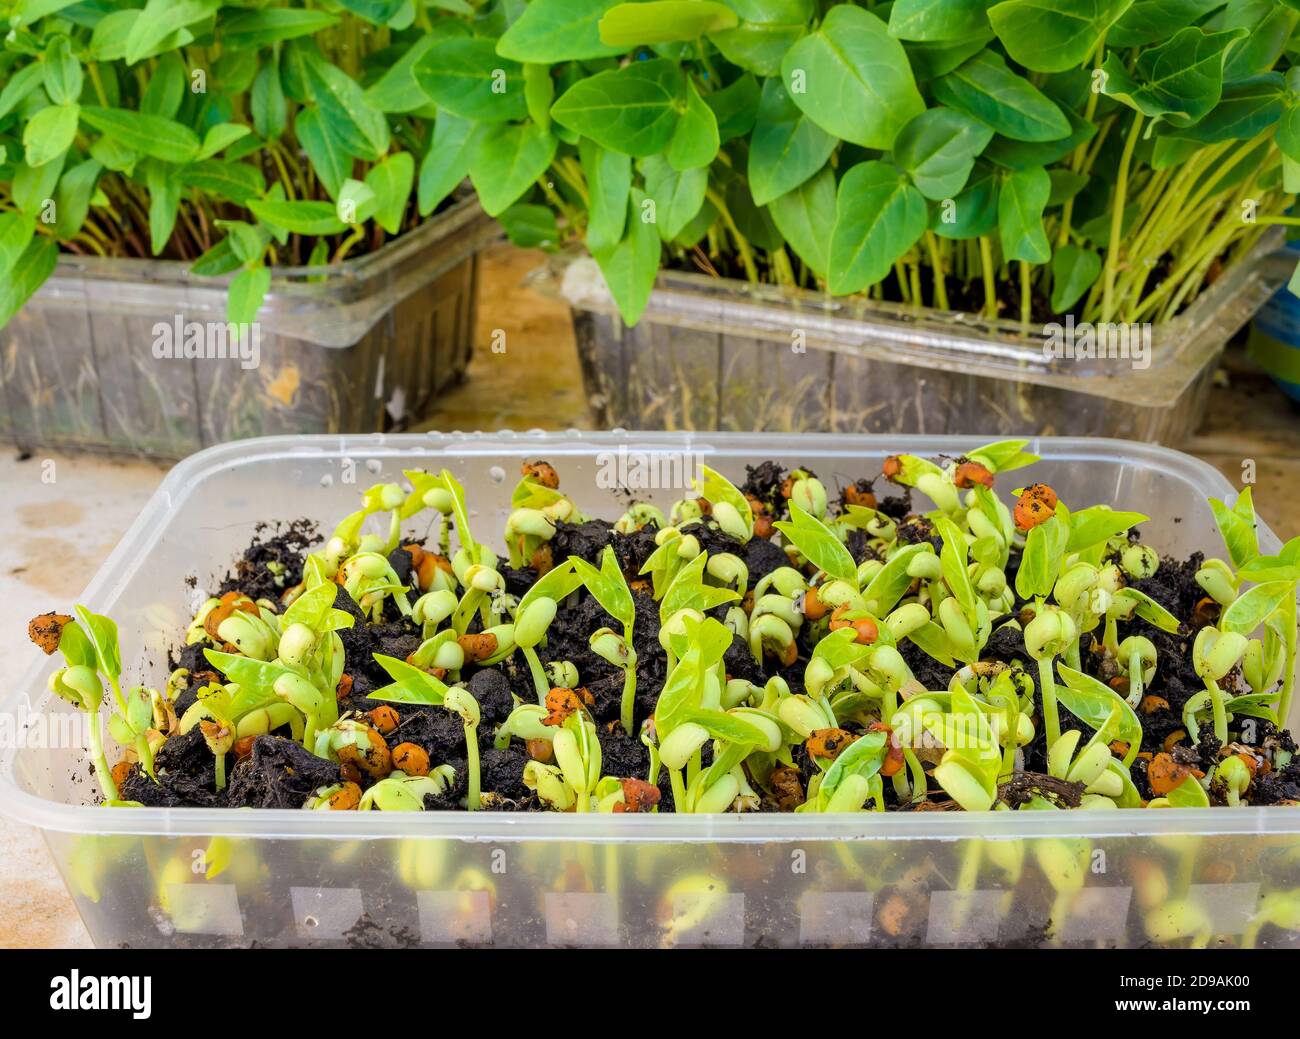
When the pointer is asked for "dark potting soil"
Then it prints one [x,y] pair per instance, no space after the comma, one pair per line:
[280,773]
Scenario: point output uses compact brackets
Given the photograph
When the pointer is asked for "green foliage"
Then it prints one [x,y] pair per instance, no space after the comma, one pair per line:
[230,135]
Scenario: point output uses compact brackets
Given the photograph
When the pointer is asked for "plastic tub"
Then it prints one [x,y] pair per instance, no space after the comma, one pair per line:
[362,346]
[204,877]
[713,353]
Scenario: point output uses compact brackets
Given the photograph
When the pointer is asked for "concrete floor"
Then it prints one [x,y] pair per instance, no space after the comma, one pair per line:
[63,515]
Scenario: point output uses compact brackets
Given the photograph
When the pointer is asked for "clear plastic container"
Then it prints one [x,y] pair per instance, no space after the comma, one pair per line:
[205,877]
[362,346]
[713,353]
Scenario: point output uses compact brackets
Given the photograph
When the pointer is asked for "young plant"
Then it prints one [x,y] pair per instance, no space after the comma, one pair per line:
[412,685]
[609,588]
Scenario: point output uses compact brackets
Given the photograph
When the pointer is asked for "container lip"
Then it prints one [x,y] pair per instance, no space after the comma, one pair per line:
[186,476]
[177,272]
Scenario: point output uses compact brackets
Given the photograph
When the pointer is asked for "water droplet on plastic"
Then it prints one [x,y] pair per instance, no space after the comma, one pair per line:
[374,465]
[327,480]
[497,474]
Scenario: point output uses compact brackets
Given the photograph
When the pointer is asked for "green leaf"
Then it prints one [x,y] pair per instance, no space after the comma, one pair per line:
[723,726]
[818,544]
[247,292]
[220,137]
[239,182]
[164,203]
[1150,20]
[759,46]
[972,213]
[360,129]
[984,87]
[631,266]
[410,684]
[938,150]
[356,202]
[63,75]
[1249,610]
[391,181]
[325,151]
[539,94]
[550,31]
[609,180]
[447,161]
[608,586]
[1019,155]
[16,232]
[1246,108]
[1004,456]
[878,217]
[695,140]
[1093,702]
[717,488]
[1237,526]
[735,107]
[786,147]
[270,112]
[863,757]
[853,79]
[892,581]
[938,20]
[802,217]
[151,135]
[166,89]
[1020,215]
[953,563]
[49,133]
[306,218]
[506,163]
[1074,270]
[677,196]
[397,90]
[633,109]
[159,21]
[19,86]
[1053,35]
[1179,81]
[558,584]
[663,21]
[1040,563]
[102,632]
[530,226]
[271,25]
[466,76]
[34,265]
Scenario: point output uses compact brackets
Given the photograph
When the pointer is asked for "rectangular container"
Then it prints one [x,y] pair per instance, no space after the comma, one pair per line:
[713,353]
[361,346]
[208,877]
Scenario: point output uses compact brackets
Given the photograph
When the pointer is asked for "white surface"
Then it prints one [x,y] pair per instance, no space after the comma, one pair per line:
[61,517]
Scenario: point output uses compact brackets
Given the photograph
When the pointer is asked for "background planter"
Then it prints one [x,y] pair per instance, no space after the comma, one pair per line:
[361,346]
[720,354]
[213,877]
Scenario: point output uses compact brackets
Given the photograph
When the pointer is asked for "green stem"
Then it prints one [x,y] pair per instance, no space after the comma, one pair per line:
[220,760]
[628,707]
[102,771]
[936,268]
[1026,293]
[986,270]
[1047,687]
[473,797]
[540,682]
[742,244]
[679,790]
[1220,713]
[1117,217]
